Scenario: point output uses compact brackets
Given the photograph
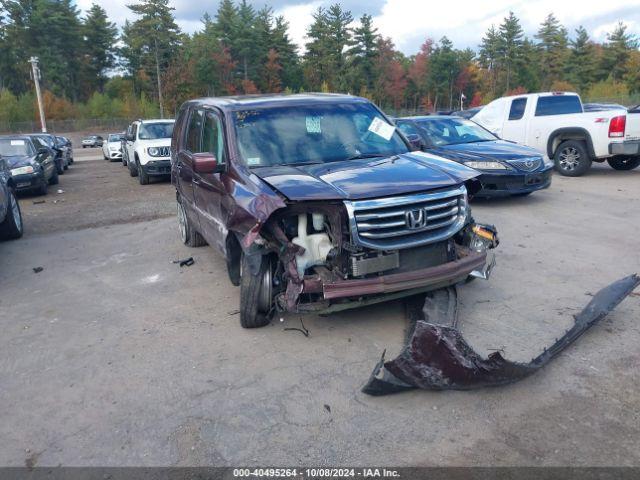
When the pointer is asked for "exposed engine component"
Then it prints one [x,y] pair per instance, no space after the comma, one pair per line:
[362,265]
[316,245]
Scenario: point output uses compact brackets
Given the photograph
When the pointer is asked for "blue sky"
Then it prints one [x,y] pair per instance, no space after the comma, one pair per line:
[409,22]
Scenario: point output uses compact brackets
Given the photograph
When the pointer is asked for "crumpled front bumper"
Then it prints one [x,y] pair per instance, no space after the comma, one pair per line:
[333,287]
[436,356]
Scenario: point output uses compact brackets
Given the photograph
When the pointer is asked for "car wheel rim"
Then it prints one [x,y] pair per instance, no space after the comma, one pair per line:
[17,219]
[264,302]
[569,158]
[182,223]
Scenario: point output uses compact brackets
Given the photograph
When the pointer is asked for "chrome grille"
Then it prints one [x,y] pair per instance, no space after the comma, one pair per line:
[527,165]
[409,220]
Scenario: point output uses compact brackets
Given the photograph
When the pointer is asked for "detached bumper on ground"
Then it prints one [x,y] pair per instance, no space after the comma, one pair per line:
[436,356]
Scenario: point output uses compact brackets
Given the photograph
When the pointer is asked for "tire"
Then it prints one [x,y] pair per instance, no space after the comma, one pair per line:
[624,163]
[42,190]
[12,227]
[60,168]
[132,170]
[66,167]
[55,179]
[143,177]
[572,159]
[256,297]
[188,234]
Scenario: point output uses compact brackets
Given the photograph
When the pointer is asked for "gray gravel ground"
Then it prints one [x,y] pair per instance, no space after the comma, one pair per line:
[112,355]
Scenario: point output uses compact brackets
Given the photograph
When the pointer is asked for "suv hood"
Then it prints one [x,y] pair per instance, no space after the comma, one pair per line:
[479,151]
[159,142]
[370,178]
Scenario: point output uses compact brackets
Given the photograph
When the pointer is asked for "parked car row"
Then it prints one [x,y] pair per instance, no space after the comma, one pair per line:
[10,214]
[35,161]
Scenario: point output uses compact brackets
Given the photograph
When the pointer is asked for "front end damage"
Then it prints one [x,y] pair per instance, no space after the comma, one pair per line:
[332,256]
[436,356]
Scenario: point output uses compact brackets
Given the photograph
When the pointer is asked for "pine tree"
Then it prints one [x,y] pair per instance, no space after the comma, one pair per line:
[99,35]
[581,64]
[552,45]
[489,56]
[510,46]
[618,48]
[362,54]
[152,41]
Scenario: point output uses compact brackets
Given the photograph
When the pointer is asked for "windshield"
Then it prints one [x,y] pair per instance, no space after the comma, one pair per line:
[453,131]
[297,135]
[155,131]
[116,137]
[11,147]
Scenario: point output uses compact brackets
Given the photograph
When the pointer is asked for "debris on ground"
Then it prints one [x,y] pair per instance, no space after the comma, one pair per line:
[436,356]
[302,330]
[37,269]
[327,408]
[60,191]
[187,262]
[39,202]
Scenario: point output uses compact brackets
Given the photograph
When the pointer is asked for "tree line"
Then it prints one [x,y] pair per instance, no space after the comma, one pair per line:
[92,69]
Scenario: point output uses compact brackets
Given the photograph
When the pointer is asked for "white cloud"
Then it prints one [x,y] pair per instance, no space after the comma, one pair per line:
[410,22]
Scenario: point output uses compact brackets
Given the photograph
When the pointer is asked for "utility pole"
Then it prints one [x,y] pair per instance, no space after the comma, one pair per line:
[159,81]
[36,79]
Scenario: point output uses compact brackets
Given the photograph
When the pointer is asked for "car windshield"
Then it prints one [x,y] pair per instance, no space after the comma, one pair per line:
[295,135]
[116,137]
[453,131]
[154,131]
[14,147]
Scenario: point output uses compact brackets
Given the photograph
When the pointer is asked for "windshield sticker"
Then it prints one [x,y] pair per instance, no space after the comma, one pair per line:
[253,161]
[313,124]
[382,128]
[16,143]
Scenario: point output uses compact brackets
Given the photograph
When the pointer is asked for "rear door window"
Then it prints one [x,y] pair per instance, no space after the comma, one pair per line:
[517,108]
[558,105]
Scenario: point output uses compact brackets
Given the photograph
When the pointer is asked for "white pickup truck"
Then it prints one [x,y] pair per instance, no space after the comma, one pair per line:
[556,124]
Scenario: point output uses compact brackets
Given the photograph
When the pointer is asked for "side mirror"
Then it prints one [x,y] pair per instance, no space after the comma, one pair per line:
[415,141]
[43,152]
[129,138]
[206,163]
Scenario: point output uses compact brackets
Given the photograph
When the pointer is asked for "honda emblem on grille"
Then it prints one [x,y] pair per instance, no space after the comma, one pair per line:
[415,219]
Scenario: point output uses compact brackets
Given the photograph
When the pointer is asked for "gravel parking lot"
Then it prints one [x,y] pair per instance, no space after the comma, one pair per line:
[113,355]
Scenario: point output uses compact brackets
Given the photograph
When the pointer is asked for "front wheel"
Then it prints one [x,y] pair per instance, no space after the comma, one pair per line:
[133,171]
[572,159]
[143,177]
[11,227]
[54,180]
[624,163]
[256,293]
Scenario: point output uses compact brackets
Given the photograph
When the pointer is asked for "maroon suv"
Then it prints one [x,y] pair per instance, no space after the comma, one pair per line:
[319,204]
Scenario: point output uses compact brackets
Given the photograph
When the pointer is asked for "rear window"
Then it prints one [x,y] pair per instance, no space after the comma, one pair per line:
[558,105]
[517,108]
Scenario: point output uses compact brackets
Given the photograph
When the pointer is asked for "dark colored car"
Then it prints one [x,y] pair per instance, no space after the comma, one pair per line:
[600,107]
[468,113]
[65,144]
[10,215]
[92,141]
[31,162]
[318,204]
[61,155]
[507,168]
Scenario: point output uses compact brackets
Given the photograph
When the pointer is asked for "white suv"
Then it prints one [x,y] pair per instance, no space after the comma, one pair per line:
[148,148]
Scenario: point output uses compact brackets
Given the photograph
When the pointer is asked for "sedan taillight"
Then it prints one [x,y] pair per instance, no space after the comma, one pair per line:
[617,126]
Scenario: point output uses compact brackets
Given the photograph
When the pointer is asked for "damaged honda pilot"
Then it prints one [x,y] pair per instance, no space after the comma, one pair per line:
[319,204]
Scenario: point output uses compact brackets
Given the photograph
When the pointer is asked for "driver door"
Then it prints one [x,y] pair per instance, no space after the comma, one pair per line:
[208,188]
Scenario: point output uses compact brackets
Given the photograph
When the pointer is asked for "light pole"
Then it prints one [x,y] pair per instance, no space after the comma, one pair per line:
[36,79]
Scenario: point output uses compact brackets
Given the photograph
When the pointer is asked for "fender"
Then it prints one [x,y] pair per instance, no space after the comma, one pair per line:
[570,131]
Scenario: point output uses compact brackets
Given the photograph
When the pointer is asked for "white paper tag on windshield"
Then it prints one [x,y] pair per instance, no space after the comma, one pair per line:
[253,161]
[16,143]
[382,128]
